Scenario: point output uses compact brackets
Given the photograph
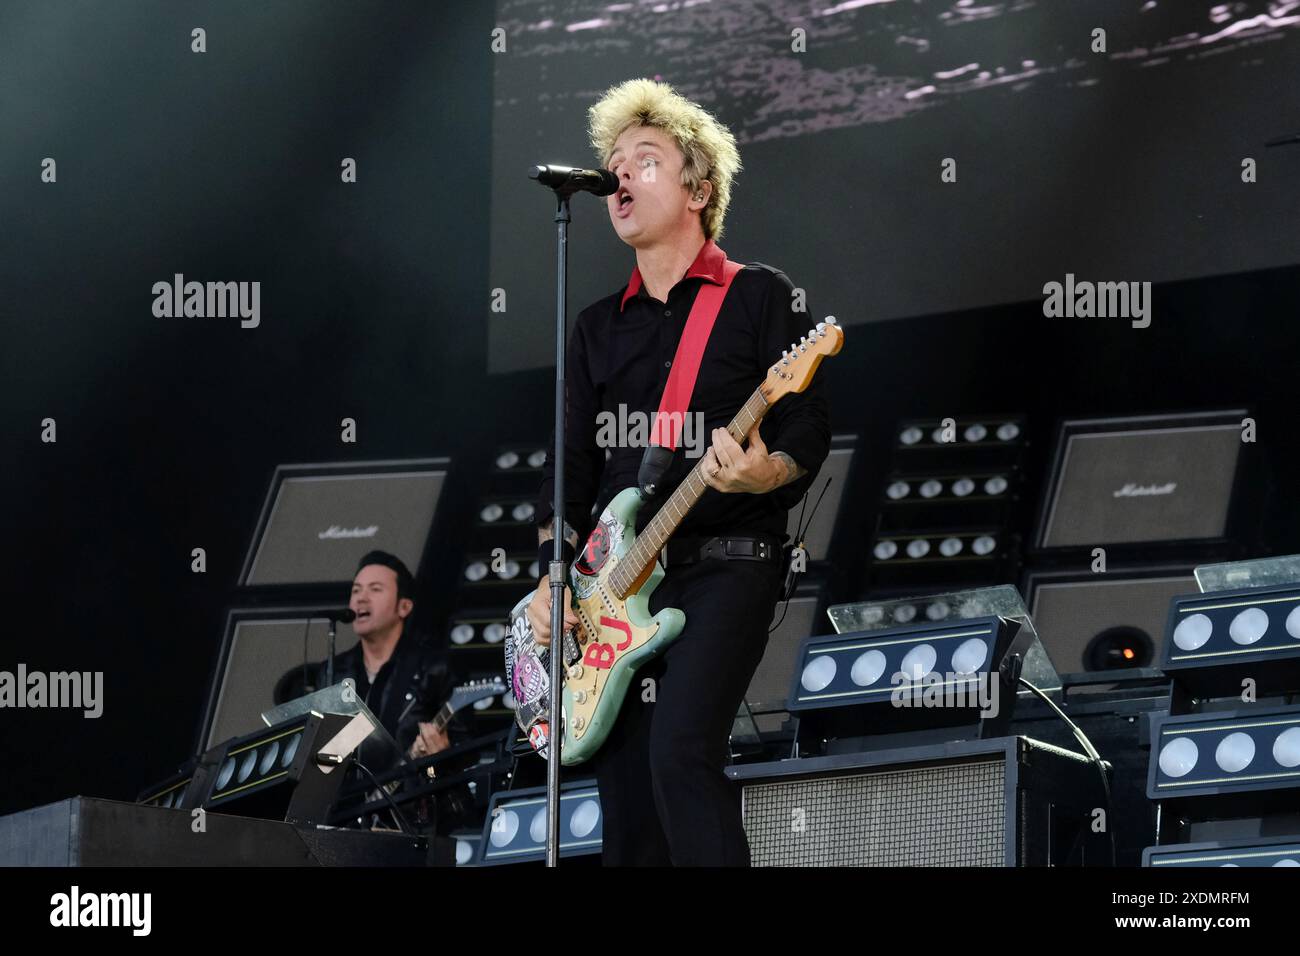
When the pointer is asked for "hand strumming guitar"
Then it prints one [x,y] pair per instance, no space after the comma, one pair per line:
[539,612]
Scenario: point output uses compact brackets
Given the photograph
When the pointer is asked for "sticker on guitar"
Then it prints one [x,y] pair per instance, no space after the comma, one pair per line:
[601,655]
[603,541]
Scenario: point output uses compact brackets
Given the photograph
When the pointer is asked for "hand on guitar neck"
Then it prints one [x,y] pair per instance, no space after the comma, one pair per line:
[431,739]
[539,612]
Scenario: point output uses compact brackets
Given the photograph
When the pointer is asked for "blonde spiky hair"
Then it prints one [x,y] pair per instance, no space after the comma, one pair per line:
[708,148]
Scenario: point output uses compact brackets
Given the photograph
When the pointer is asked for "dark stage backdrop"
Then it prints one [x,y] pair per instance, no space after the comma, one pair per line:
[222,166]
[375,295]
[1122,165]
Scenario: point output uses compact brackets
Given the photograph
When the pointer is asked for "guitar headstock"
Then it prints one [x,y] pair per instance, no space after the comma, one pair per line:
[796,367]
[474,691]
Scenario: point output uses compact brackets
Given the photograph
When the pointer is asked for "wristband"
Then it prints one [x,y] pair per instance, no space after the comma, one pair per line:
[546,554]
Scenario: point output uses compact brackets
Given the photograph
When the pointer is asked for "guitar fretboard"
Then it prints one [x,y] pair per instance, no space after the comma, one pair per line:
[651,541]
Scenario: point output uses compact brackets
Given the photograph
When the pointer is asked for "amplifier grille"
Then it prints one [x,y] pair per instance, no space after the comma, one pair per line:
[951,815]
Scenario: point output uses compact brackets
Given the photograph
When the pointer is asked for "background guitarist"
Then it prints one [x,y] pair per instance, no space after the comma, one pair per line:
[402,675]
[665,796]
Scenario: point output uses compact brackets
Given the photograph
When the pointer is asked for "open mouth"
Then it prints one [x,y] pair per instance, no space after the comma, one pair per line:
[363,615]
[624,200]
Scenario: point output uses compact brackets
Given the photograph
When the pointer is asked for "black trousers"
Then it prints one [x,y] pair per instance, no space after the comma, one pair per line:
[665,797]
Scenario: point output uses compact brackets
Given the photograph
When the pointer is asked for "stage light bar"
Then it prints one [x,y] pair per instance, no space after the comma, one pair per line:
[876,667]
[933,489]
[1273,851]
[477,632]
[170,793]
[904,548]
[519,458]
[505,512]
[485,569]
[256,762]
[930,433]
[1215,641]
[515,829]
[1221,754]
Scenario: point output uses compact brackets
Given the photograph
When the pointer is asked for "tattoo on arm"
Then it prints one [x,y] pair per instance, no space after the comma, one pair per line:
[547,532]
[793,470]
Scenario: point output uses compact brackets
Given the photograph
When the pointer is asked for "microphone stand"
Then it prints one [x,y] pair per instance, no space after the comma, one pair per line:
[558,570]
[564,182]
[329,659]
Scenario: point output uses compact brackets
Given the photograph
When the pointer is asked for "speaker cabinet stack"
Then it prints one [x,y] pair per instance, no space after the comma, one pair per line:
[1129,506]
[316,523]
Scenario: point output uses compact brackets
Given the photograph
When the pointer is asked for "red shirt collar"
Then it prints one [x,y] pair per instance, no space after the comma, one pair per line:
[707,265]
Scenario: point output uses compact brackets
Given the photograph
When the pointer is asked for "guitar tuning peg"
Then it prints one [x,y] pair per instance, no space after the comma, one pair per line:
[830,320]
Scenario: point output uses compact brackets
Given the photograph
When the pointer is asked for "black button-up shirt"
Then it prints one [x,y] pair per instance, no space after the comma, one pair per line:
[620,353]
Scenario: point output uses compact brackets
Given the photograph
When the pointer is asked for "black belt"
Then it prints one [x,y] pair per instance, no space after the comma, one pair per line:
[727,548]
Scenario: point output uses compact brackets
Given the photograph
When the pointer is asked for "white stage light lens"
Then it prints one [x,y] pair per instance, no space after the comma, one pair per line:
[1192,632]
[818,673]
[1286,748]
[504,828]
[1248,626]
[898,489]
[970,656]
[584,819]
[919,661]
[1235,752]
[1178,757]
[867,668]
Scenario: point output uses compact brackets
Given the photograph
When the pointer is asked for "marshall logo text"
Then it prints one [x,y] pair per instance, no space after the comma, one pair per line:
[1131,490]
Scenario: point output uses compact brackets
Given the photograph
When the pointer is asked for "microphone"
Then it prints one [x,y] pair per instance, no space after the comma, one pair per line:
[566,179]
[344,614]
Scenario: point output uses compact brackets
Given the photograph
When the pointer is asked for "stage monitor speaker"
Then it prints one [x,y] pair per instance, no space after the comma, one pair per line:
[838,467]
[86,831]
[1077,612]
[1118,481]
[260,645]
[1007,801]
[318,520]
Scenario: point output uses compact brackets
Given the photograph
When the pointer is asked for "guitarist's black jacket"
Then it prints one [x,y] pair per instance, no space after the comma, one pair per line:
[416,675]
[620,352]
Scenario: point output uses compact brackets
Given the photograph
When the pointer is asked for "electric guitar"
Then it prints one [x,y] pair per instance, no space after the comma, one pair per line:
[461,697]
[612,580]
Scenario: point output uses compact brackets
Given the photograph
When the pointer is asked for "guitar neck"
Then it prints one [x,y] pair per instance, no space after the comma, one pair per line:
[661,527]
[443,715]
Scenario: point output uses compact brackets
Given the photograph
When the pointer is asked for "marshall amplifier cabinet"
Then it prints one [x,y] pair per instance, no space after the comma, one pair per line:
[1139,481]
[260,646]
[319,519]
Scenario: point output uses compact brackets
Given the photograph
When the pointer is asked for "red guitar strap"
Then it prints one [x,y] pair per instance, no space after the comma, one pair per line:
[686,362]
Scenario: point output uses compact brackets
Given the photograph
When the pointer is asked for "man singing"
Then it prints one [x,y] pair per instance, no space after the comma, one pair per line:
[665,795]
